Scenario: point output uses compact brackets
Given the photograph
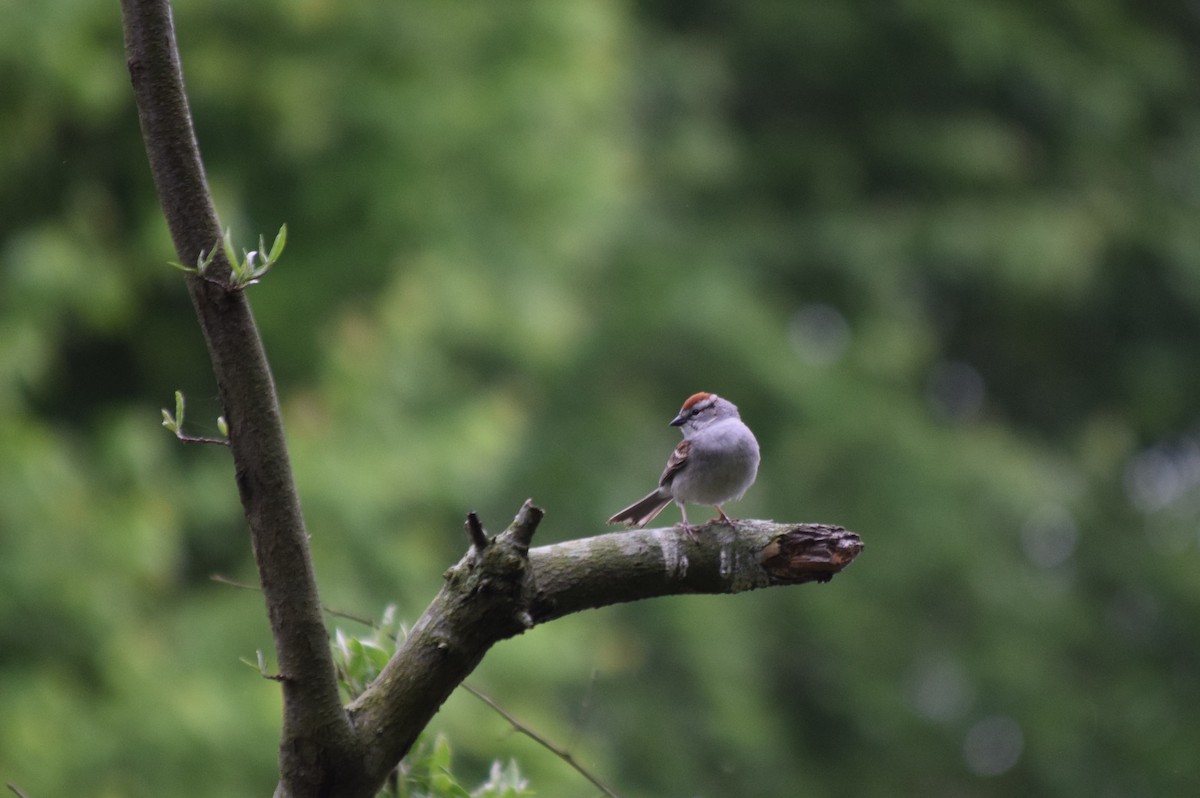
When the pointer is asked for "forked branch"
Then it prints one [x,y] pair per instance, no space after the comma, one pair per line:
[503,588]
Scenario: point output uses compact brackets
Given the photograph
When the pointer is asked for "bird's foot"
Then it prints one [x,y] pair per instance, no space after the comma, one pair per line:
[722,518]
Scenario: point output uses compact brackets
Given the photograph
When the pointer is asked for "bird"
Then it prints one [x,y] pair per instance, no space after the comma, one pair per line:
[715,463]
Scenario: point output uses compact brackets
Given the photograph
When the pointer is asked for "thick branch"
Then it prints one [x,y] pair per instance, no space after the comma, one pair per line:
[317,744]
[500,590]
[630,566]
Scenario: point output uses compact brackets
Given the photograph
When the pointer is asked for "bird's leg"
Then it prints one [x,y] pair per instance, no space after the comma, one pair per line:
[686,526]
[721,517]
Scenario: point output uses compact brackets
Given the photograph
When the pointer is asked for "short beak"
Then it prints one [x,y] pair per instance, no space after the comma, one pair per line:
[678,421]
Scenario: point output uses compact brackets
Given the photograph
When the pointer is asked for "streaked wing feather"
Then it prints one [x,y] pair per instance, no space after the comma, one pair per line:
[675,462]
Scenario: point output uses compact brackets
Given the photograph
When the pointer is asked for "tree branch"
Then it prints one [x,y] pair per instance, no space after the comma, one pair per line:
[551,746]
[317,744]
[645,563]
[500,590]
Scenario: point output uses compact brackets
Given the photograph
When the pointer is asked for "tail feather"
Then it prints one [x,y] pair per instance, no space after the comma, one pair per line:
[641,512]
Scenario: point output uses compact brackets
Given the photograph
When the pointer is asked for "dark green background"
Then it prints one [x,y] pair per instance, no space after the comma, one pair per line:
[944,254]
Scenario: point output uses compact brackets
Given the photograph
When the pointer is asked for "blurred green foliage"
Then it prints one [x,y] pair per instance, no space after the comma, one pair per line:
[943,255]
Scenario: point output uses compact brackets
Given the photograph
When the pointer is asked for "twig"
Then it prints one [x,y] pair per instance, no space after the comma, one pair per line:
[549,745]
[225,580]
[475,532]
[525,524]
[16,790]
[200,439]
[349,616]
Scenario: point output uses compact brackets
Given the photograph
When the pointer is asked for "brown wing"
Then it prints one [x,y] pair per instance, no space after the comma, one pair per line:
[675,462]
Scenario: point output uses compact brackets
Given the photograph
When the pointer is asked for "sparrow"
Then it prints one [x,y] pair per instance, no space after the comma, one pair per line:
[715,463]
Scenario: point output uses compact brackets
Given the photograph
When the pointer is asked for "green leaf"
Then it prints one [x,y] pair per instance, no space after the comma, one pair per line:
[280,243]
[230,252]
[376,656]
[174,423]
[440,758]
[504,782]
[204,260]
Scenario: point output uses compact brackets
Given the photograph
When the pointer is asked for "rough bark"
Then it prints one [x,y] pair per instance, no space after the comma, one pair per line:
[318,746]
[501,588]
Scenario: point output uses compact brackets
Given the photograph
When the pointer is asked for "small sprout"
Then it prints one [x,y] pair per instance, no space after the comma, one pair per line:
[244,271]
[227,243]
[389,616]
[261,667]
[175,424]
[203,261]
[280,243]
[255,263]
